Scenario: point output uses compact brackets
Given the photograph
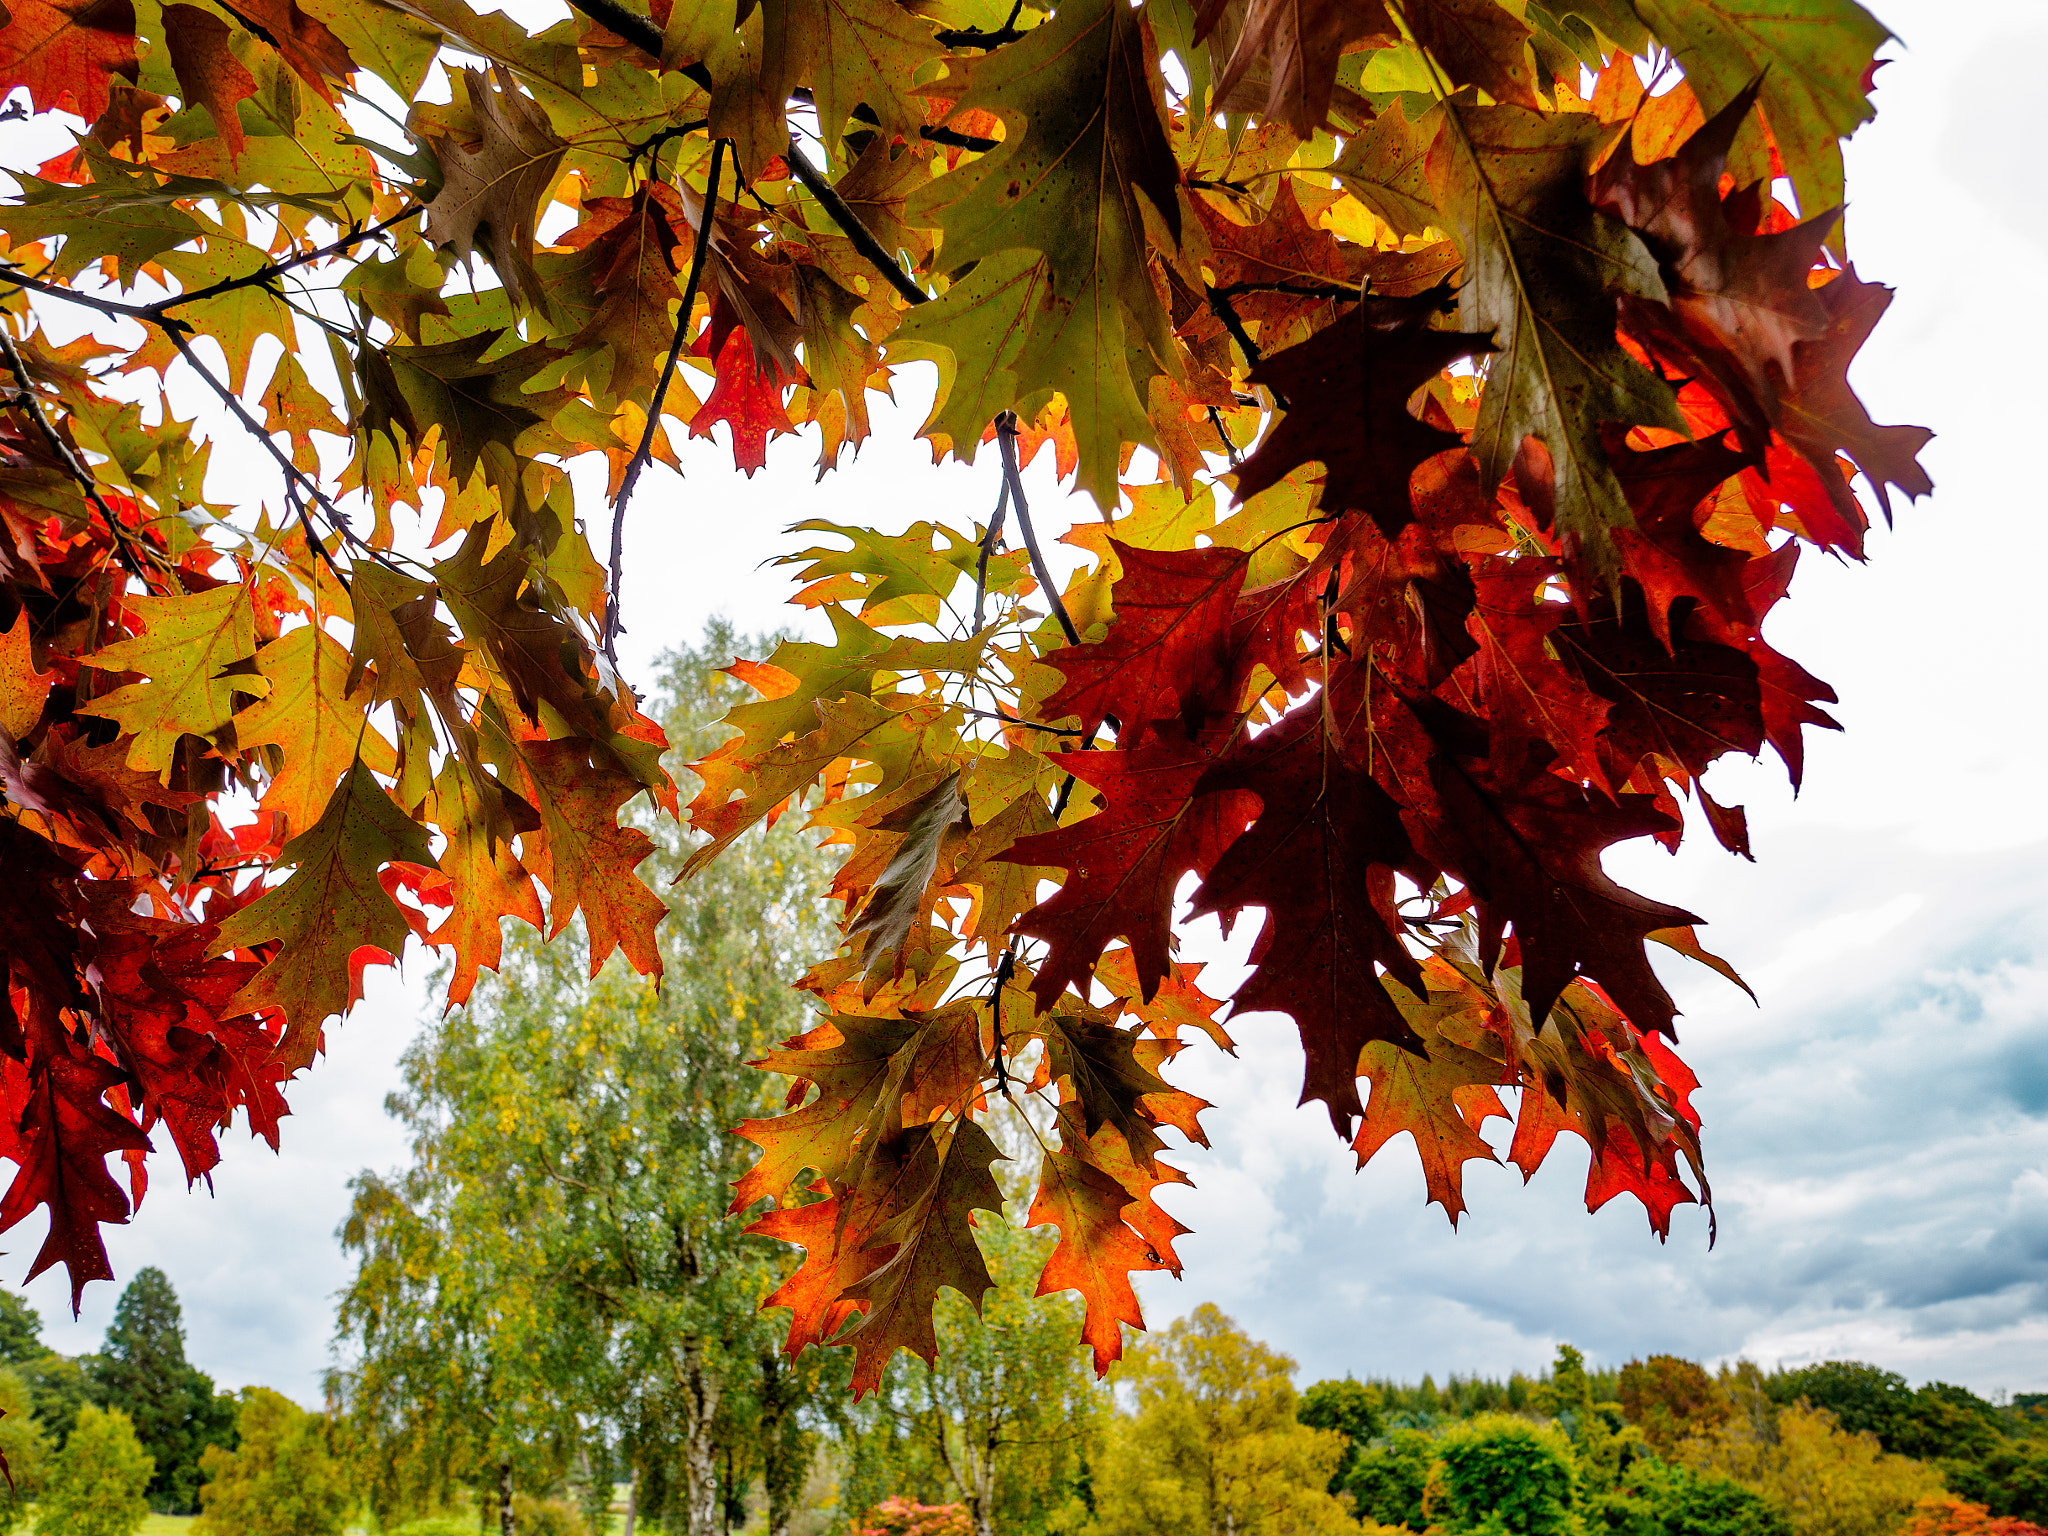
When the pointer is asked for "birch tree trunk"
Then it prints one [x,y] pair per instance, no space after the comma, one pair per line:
[507,1526]
[701,1393]
[632,1504]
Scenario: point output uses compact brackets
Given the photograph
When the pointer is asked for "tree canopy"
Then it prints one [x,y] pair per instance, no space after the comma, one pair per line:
[1456,383]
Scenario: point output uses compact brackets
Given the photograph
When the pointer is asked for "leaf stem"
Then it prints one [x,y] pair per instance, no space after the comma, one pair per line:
[613,627]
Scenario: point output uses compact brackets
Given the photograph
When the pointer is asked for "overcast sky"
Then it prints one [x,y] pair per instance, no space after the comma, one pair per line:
[1877,1131]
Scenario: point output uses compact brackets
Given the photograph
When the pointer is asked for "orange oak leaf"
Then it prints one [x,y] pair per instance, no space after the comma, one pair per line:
[1096,1253]
[208,71]
[69,52]
[586,859]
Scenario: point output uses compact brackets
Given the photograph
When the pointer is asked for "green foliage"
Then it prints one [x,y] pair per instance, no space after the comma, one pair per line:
[1351,1409]
[435,1525]
[554,1280]
[1390,1481]
[59,1387]
[142,1370]
[96,1486]
[1505,1477]
[1658,1499]
[279,1481]
[25,1446]
[21,1330]
[1602,1440]
[1214,1443]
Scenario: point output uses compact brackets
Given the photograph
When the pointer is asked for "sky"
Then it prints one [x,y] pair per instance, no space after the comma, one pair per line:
[1876,1129]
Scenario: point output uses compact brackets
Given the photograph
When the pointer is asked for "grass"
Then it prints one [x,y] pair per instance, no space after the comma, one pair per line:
[166,1525]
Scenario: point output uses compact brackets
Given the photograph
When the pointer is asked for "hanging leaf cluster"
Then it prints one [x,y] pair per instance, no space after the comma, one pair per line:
[1454,384]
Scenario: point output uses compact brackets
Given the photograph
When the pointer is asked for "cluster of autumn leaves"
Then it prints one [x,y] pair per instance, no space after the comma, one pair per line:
[1492,324]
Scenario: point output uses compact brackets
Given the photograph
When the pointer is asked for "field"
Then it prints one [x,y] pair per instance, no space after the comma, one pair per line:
[166,1525]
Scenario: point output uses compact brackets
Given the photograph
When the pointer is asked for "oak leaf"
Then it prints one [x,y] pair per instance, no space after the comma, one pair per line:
[187,647]
[494,185]
[330,905]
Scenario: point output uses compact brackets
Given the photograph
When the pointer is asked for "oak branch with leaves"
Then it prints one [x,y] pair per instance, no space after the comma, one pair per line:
[1479,370]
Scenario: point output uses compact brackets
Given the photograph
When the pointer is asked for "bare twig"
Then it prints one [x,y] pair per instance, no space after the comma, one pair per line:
[849,222]
[89,300]
[266,277]
[29,401]
[1229,447]
[1298,290]
[974,37]
[1005,969]
[1006,442]
[1224,310]
[613,627]
[295,479]
[988,546]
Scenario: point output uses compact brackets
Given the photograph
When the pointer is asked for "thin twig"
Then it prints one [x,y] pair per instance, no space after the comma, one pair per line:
[974,37]
[849,222]
[29,401]
[266,277]
[1229,447]
[1221,307]
[1029,725]
[293,475]
[988,545]
[1006,443]
[1297,290]
[89,300]
[613,627]
[1005,969]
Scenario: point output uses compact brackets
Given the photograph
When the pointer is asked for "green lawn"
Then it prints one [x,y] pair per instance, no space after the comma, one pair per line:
[166,1525]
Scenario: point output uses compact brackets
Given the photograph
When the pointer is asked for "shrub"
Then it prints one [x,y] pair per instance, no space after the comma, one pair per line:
[906,1517]
[281,1482]
[96,1485]
[1505,1475]
[1389,1479]
[1943,1514]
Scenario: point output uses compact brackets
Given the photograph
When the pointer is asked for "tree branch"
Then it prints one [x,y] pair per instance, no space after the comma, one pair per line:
[613,627]
[974,37]
[849,222]
[29,401]
[266,276]
[294,477]
[988,545]
[1339,291]
[1006,442]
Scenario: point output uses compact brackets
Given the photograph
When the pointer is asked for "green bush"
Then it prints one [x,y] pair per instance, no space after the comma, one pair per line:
[1388,1479]
[1657,1499]
[281,1482]
[1506,1477]
[96,1484]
